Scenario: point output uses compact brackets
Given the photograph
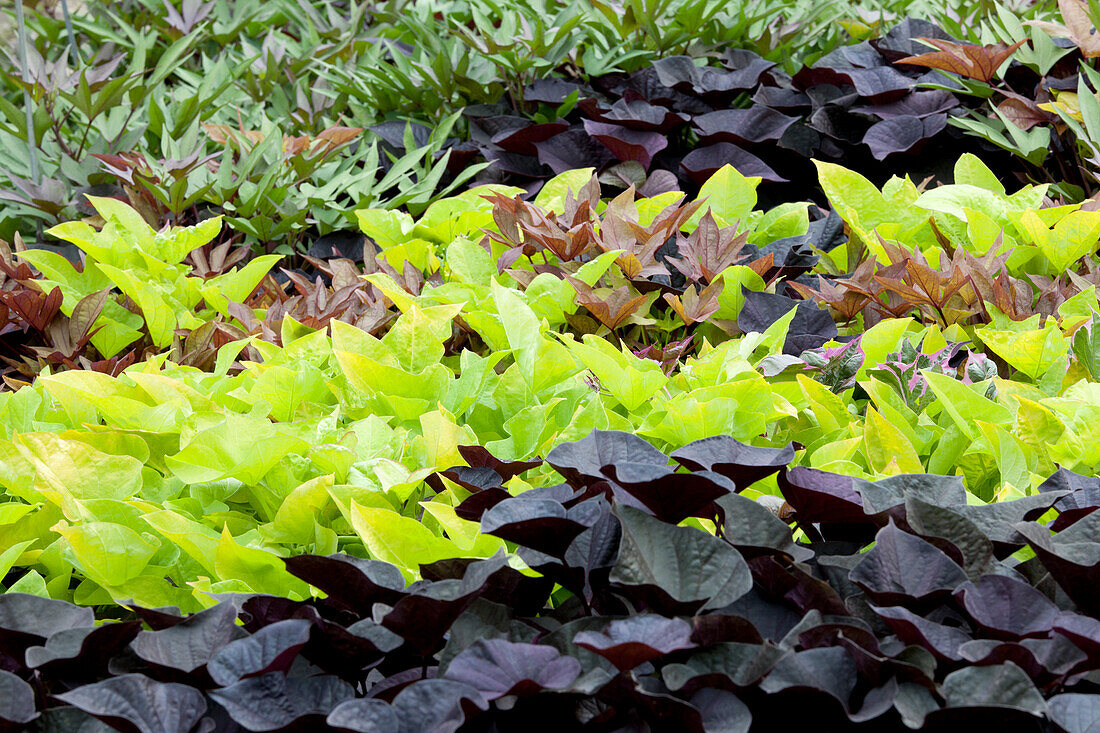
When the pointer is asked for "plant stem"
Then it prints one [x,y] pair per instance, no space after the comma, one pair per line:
[27,101]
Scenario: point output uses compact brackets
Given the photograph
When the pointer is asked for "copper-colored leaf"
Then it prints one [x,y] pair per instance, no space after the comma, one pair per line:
[964,59]
[611,310]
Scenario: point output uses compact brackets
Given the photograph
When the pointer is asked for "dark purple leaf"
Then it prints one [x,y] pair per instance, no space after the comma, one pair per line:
[998,519]
[271,649]
[1074,712]
[716,86]
[364,716]
[885,494]
[627,144]
[16,702]
[917,103]
[900,41]
[676,570]
[902,568]
[573,149]
[753,529]
[722,711]
[880,84]
[902,134]
[756,124]
[727,665]
[632,641]
[525,166]
[810,328]
[272,702]
[497,667]
[1048,660]
[440,706]
[190,644]
[135,703]
[582,461]
[550,91]
[829,670]
[995,686]
[943,641]
[702,163]
[781,98]
[743,464]
[1008,608]
[637,114]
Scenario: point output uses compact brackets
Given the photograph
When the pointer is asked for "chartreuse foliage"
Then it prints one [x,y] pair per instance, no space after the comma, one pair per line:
[169,483]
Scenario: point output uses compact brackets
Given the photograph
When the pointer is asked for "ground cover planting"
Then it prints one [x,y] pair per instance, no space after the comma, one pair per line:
[615,367]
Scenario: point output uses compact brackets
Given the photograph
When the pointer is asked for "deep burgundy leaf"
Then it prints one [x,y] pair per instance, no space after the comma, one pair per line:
[423,617]
[671,497]
[498,667]
[522,140]
[1083,497]
[81,652]
[473,507]
[271,702]
[820,496]
[905,134]
[477,456]
[743,464]
[902,568]
[351,583]
[135,703]
[540,524]
[271,649]
[702,163]
[627,144]
[756,124]
[632,641]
